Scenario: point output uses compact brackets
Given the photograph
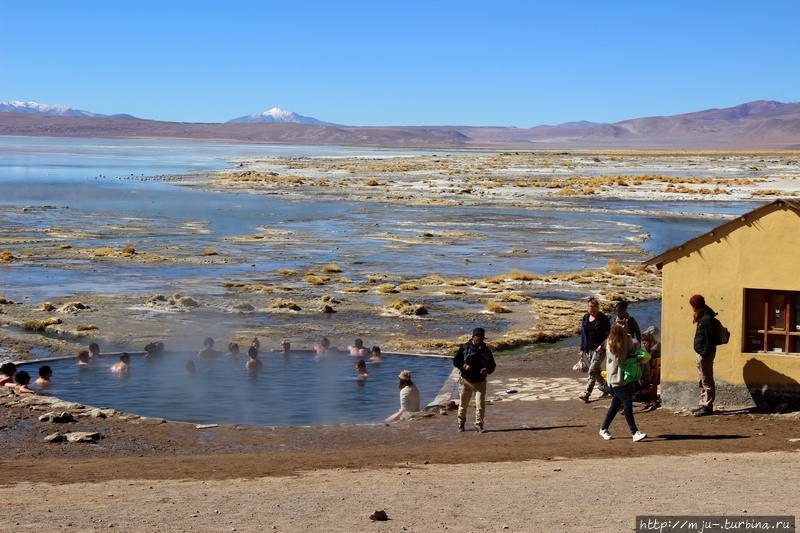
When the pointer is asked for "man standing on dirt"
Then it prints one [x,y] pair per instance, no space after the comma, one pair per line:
[475,361]
[705,349]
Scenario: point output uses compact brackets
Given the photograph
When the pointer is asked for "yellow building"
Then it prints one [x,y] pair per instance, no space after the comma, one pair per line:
[748,270]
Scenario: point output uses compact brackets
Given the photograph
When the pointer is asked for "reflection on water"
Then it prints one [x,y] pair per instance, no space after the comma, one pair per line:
[302,389]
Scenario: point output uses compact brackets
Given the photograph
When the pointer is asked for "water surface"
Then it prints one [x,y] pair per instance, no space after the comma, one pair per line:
[299,390]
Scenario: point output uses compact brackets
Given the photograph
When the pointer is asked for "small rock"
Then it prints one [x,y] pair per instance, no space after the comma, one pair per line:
[55,437]
[63,417]
[83,436]
[379,515]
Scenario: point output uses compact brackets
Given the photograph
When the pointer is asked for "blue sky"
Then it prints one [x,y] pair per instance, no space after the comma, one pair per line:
[370,63]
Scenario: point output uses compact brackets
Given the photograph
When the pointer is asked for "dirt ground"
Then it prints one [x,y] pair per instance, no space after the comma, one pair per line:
[541,466]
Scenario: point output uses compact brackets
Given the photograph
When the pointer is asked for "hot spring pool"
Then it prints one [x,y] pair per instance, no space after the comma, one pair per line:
[298,390]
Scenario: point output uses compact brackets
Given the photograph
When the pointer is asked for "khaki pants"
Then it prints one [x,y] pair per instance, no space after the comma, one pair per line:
[465,390]
[705,369]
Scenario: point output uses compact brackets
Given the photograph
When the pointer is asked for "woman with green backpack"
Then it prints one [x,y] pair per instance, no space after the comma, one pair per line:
[619,349]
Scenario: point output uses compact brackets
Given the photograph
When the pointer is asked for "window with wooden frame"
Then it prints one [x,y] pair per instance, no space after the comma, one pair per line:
[771,321]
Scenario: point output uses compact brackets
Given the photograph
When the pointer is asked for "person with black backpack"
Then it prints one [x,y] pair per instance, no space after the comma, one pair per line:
[475,361]
[705,347]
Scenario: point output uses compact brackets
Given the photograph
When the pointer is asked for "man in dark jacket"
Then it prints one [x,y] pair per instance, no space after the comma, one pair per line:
[475,361]
[705,348]
[621,312]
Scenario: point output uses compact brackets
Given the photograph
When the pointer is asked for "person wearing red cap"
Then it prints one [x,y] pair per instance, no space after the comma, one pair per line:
[475,361]
[705,351]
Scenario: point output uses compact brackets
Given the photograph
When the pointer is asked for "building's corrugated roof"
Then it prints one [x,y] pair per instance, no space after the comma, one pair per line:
[727,227]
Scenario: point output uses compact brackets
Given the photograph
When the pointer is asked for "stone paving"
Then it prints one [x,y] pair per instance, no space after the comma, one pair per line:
[533,389]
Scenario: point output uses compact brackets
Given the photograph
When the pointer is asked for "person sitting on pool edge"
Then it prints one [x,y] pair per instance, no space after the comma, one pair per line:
[409,397]
[45,372]
[358,349]
[83,358]
[94,350]
[208,352]
[376,355]
[21,386]
[124,364]
[253,363]
[361,368]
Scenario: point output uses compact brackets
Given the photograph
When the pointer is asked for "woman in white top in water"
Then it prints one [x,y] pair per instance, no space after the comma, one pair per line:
[409,397]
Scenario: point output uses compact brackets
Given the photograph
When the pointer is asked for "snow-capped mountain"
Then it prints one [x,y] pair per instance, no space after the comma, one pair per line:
[43,109]
[279,115]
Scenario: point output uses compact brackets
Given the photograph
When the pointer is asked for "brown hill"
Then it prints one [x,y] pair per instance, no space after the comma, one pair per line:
[755,125]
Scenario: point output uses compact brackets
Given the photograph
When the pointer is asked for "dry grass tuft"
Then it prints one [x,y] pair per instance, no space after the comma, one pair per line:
[210,251]
[494,307]
[459,282]
[5,255]
[314,279]
[41,324]
[356,288]
[188,301]
[47,306]
[386,288]
[512,275]
[284,304]
[128,251]
[256,287]
[287,272]
[432,279]
[511,297]
[613,267]
[333,269]
[404,307]
[86,327]
[408,287]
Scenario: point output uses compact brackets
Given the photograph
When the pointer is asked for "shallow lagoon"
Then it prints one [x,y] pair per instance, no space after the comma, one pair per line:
[91,185]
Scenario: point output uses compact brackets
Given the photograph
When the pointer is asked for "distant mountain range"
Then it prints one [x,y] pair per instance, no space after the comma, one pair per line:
[50,110]
[762,124]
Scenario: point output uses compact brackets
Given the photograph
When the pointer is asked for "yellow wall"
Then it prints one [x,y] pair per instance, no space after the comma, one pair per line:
[762,253]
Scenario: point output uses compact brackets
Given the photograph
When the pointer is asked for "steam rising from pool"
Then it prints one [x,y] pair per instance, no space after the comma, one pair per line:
[299,390]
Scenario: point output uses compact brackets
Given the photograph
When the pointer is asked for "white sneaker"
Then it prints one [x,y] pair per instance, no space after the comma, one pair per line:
[639,436]
[605,434]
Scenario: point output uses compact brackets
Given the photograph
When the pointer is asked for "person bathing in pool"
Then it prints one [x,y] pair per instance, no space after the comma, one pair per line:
[124,364]
[253,363]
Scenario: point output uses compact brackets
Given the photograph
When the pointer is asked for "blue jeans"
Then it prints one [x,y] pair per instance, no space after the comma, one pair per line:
[622,395]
